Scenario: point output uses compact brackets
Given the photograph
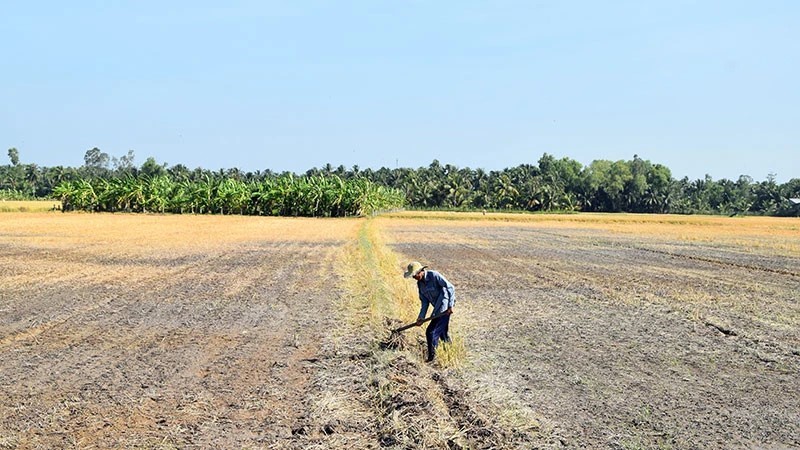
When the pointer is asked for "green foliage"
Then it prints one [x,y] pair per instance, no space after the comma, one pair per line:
[96,162]
[562,185]
[604,186]
[13,194]
[286,195]
[13,156]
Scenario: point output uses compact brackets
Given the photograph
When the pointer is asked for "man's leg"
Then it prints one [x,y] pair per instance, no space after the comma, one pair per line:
[429,337]
[446,329]
[437,330]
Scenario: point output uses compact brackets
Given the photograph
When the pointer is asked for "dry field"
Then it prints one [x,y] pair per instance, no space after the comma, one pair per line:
[134,331]
[626,331]
[29,205]
[594,331]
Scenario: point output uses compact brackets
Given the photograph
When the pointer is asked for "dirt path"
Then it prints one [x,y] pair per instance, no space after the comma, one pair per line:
[622,341]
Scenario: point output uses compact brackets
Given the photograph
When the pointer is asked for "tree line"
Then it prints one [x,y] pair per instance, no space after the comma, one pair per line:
[155,188]
[635,185]
[564,184]
[286,195]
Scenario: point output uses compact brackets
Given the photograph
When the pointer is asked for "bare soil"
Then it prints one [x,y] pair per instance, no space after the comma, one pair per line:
[619,340]
[199,332]
[162,332]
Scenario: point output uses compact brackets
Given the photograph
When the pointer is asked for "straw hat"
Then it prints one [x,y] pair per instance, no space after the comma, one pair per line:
[413,269]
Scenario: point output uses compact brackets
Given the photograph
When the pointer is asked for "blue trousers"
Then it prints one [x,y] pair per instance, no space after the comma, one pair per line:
[437,330]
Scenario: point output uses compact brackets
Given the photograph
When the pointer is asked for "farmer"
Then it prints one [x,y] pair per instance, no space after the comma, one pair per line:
[434,290]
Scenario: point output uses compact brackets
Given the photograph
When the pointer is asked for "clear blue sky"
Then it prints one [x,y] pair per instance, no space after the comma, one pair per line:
[703,87]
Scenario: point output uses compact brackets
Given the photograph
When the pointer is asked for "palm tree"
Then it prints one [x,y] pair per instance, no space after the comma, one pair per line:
[504,191]
[32,176]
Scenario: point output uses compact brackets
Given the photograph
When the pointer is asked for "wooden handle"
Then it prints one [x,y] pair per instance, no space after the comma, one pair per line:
[405,327]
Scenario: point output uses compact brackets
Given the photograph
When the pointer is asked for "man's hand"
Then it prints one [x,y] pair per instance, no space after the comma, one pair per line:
[449,311]
[418,322]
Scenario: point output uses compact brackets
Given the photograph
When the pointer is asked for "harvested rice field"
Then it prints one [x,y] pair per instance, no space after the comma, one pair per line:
[571,331]
[628,331]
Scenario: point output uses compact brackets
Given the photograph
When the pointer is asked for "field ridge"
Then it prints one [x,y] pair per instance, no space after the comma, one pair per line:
[405,402]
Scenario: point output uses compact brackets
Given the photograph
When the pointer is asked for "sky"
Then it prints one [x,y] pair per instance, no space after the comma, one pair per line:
[702,87]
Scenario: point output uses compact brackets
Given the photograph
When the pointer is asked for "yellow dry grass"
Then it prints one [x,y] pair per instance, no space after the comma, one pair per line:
[143,234]
[29,205]
[75,239]
[394,296]
[378,298]
[778,235]
[401,292]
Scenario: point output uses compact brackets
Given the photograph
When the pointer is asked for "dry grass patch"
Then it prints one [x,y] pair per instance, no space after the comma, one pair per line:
[74,246]
[29,205]
[145,233]
[405,402]
[780,235]
[390,393]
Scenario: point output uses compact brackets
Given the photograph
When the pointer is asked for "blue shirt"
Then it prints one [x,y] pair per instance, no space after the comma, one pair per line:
[435,290]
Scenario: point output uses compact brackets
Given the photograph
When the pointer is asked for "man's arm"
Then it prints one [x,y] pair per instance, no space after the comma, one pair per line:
[423,309]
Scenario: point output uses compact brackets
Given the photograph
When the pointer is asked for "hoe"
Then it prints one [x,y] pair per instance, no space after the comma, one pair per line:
[396,339]
[405,327]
